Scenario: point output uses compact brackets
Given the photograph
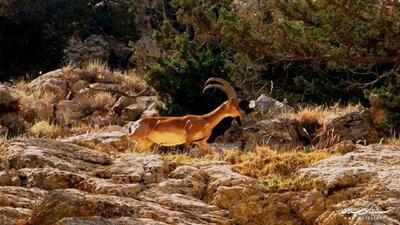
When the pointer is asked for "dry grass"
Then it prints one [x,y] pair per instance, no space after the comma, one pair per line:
[310,122]
[3,140]
[22,86]
[393,141]
[98,72]
[26,96]
[3,152]
[323,115]
[102,101]
[45,129]
[275,169]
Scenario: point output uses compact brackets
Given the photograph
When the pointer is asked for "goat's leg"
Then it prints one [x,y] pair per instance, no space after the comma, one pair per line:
[204,146]
[187,145]
[143,144]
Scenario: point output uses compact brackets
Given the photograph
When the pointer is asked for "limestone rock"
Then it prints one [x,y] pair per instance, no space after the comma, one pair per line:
[134,168]
[40,153]
[72,203]
[244,198]
[122,103]
[150,112]
[94,47]
[146,100]
[44,110]
[108,221]
[65,183]
[356,127]
[266,106]
[68,112]
[277,134]
[106,141]
[368,175]
[17,203]
[49,178]
[53,83]
[9,99]
[132,112]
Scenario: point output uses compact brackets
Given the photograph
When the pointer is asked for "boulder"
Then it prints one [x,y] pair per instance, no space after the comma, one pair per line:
[132,112]
[9,99]
[68,112]
[53,83]
[147,101]
[151,110]
[102,118]
[79,85]
[335,188]
[107,141]
[17,203]
[121,103]
[277,134]
[107,221]
[266,106]
[44,110]
[245,199]
[357,127]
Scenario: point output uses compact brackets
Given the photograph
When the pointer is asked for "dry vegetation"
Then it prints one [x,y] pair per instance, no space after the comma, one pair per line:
[88,103]
[275,169]
[46,129]
[98,72]
[393,141]
[101,101]
[311,122]
[323,115]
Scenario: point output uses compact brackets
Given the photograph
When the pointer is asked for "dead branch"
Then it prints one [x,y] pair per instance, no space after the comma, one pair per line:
[98,87]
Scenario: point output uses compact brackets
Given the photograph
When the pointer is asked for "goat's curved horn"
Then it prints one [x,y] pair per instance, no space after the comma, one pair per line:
[228,89]
[218,86]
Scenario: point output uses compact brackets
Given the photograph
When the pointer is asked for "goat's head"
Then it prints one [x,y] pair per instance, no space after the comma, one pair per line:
[232,105]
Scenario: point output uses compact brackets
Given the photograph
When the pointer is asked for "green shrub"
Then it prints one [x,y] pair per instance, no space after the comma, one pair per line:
[388,99]
[179,78]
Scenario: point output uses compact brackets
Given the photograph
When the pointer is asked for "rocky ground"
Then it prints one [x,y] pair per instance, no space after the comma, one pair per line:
[45,181]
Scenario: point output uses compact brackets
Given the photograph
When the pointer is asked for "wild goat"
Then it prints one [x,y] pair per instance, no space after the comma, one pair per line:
[171,131]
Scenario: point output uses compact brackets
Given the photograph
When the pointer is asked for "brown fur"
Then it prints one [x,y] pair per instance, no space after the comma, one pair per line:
[170,131]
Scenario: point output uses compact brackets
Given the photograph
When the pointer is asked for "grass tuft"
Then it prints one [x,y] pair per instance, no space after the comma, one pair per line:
[45,129]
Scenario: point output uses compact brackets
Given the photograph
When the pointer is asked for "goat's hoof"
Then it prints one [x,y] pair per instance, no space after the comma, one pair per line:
[220,151]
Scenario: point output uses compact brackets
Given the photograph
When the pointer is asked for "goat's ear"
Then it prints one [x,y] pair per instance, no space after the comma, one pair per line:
[252,104]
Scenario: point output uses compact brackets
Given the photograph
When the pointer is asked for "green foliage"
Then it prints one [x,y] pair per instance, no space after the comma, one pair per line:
[389,99]
[313,51]
[180,78]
